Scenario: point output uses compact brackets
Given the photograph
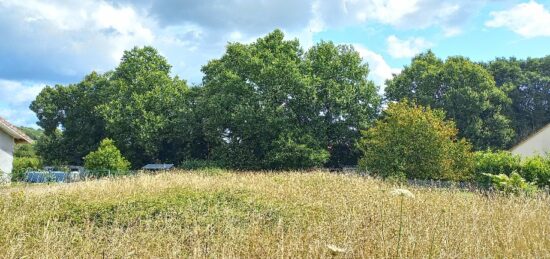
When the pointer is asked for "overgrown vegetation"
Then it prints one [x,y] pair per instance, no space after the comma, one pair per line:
[25,158]
[271,104]
[534,169]
[412,141]
[288,215]
[107,158]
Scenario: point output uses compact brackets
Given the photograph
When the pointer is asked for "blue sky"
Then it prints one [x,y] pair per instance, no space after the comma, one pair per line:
[60,41]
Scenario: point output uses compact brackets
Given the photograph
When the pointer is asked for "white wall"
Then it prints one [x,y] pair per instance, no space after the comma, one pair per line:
[536,144]
[6,155]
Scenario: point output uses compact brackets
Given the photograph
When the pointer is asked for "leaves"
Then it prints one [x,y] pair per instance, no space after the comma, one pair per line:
[416,142]
[106,157]
[464,90]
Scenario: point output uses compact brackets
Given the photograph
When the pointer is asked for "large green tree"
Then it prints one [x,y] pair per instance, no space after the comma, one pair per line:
[72,125]
[272,105]
[144,101]
[345,100]
[464,90]
[255,95]
[139,105]
[527,83]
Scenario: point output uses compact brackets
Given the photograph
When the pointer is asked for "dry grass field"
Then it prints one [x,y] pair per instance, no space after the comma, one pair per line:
[284,215]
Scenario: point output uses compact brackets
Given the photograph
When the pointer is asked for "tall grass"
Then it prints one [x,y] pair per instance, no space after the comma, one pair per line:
[200,214]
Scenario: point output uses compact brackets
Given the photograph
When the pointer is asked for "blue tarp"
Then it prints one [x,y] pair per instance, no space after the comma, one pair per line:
[43,177]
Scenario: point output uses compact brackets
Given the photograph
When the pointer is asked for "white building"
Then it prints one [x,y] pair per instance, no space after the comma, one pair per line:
[9,136]
[537,143]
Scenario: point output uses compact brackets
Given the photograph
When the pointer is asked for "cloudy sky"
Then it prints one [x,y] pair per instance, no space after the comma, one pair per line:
[48,42]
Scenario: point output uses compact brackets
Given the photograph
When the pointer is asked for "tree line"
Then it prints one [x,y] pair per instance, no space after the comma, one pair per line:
[271,104]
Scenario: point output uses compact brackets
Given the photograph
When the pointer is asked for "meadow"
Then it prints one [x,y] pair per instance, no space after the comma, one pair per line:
[215,213]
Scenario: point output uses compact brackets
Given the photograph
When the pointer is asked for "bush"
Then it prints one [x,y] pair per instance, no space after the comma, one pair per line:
[500,162]
[107,157]
[415,142]
[533,169]
[195,164]
[513,184]
[537,169]
[289,153]
[21,165]
[494,163]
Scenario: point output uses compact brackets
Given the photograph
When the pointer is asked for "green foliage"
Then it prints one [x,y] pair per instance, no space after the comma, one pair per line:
[24,159]
[464,90]
[488,162]
[34,134]
[513,184]
[416,142]
[534,169]
[138,105]
[345,100]
[144,100]
[72,108]
[287,153]
[527,84]
[106,157]
[269,105]
[21,165]
[24,150]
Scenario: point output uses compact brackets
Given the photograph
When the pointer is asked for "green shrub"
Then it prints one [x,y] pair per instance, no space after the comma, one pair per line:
[107,157]
[534,169]
[513,184]
[537,170]
[416,142]
[289,152]
[195,164]
[488,162]
[21,165]
[494,163]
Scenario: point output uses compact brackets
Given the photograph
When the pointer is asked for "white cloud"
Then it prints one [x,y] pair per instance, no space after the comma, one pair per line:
[449,15]
[19,117]
[15,99]
[398,48]
[526,19]
[380,71]
[60,41]
[16,93]
[64,39]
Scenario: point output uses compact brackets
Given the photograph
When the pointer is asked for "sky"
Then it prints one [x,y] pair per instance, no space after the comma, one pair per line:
[49,42]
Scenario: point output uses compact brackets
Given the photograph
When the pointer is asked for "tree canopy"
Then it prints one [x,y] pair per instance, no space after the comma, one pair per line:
[412,141]
[272,104]
[464,90]
[268,104]
[527,83]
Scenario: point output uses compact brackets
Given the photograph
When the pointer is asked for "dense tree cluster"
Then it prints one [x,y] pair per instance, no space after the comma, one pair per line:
[464,90]
[271,104]
[268,104]
[527,83]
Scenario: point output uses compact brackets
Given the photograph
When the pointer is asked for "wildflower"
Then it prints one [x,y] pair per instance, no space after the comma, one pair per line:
[336,250]
[402,192]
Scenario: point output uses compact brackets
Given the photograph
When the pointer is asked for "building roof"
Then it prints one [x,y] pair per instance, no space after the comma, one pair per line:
[14,132]
[531,136]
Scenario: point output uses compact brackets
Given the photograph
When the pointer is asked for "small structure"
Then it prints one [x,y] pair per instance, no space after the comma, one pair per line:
[158,167]
[537,143]
[9,136]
